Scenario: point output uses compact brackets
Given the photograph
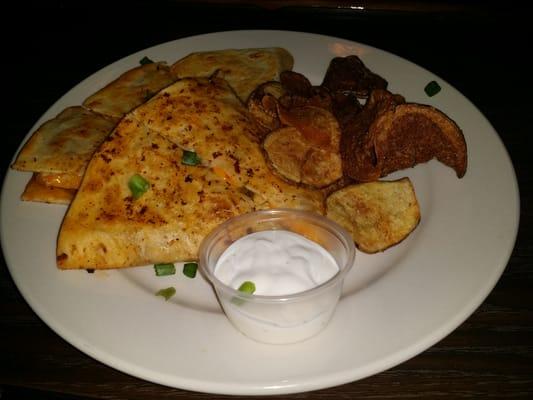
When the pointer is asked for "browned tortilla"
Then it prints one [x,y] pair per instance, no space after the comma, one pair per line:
[243,69]
[105,227]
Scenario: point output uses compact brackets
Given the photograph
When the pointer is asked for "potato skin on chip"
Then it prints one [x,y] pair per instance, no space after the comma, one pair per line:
[412,133]
[377,214]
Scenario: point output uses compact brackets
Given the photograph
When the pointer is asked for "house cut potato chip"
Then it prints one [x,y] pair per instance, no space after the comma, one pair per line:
[263,106]
[129,90]
[377,214]
[296,159]
[411,134]
[65,143]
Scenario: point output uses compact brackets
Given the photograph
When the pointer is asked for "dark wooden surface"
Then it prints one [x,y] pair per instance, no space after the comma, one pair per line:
[482,51]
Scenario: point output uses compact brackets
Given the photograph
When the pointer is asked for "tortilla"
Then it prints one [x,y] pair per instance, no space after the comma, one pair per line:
[130,89]
[244,69]
[63,181]
[65,144]
[204,115]
[105,227]
[37,191]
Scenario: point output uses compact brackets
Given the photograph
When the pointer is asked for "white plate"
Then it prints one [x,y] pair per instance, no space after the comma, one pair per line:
[395,304]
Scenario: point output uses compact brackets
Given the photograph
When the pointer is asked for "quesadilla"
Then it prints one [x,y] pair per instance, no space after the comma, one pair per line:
[65,143]
[130,89]
[243,69]
[60,149]
[62,180]
[58,152]
[35,190]
[106,226]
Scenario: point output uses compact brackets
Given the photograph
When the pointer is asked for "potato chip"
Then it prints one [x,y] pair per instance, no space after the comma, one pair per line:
[297,160]
[377,214]
[411,134]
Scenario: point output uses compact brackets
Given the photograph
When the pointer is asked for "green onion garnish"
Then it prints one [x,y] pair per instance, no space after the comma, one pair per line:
[167,293]
[138,185]
[189,269]
[432,88]
[164,269]
[145,60]
[190,158]
[247,287]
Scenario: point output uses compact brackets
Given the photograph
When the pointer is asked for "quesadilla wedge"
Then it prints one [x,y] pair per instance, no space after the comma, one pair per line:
[106,227]
[65,144]
[109,226]
[244,69]
[130,89]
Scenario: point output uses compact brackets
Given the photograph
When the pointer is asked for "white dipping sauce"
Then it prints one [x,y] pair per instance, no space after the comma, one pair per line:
[278,262]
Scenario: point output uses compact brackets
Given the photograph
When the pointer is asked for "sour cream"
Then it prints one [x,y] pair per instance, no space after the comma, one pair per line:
[278,262]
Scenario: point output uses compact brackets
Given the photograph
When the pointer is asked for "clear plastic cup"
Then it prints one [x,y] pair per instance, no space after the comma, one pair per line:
[286,318]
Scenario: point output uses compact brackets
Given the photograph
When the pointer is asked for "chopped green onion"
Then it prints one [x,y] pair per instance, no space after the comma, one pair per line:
[432,88]
[164,269]
[190,158]
[167,293]
[189,269]
[138,185]
[247,287]
[145,60]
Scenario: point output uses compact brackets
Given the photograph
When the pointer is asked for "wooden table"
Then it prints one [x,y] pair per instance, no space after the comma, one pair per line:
[482,51]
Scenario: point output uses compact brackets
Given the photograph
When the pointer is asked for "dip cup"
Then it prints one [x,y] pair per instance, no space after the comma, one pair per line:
[285,318]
